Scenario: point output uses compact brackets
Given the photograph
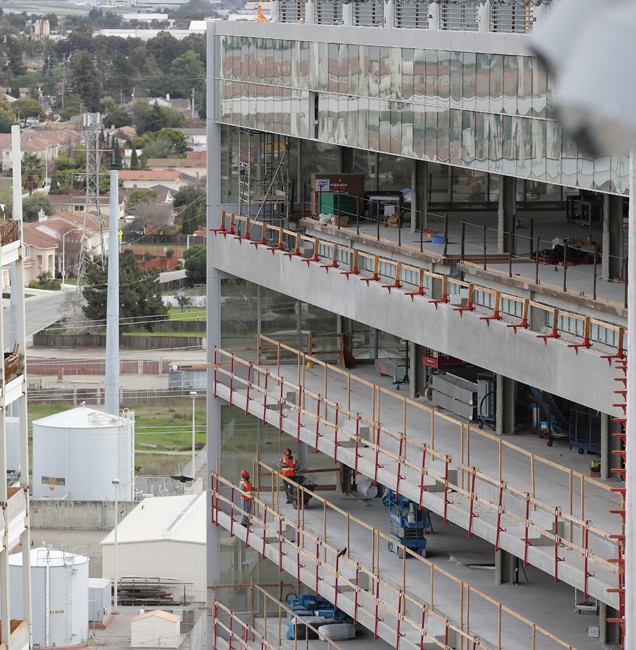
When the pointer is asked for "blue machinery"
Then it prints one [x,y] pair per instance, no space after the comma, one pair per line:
[408,524]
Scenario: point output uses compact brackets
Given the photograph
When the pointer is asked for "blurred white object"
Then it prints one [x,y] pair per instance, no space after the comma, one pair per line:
[595,97]
[589,51]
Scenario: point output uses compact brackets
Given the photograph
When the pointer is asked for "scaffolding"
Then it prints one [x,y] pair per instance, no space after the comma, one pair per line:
[264,183]
[403,607]
[415,462]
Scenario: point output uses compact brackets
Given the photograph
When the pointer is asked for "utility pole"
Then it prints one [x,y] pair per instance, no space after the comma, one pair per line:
[63,77]
[192,111]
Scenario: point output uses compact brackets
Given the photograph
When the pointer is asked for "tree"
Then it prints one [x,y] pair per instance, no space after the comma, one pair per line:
[26,108]
[156,118]
[7,120]
[195,262]
[166,143]
[32,172]
[134,159]
[190,203]
[118,116]
[85,80]
[32,205]
[141,197]
[188,71]
[140,300]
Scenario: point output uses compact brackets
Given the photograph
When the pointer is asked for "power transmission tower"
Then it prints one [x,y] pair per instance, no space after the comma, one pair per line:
[91,123]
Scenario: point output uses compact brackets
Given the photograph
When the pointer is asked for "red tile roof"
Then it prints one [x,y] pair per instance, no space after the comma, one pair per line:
[148,175]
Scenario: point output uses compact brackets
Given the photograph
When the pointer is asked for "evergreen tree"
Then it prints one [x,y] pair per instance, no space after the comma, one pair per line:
[116,163]
[134,159]
[139,296]
[85,80]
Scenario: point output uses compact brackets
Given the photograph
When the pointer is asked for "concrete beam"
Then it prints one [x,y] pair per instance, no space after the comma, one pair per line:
[521,356]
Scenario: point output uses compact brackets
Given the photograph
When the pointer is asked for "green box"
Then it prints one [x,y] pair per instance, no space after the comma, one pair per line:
[328,204]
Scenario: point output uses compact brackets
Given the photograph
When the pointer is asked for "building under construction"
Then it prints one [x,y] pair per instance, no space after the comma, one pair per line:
[418,283]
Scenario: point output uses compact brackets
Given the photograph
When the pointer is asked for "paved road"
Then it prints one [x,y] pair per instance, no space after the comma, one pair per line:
[42,308]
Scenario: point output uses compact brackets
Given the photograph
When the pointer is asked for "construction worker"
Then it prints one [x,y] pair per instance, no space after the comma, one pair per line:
[246,496]
[289,469]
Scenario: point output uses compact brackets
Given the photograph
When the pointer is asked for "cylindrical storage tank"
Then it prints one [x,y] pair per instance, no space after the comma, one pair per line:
[59,595]
[77,454]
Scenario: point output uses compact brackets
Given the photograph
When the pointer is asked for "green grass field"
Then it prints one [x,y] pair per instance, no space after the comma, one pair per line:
[192,313]
[160,430]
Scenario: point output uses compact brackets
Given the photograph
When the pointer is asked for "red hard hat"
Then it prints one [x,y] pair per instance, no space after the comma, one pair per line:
[245,474]
[288,452]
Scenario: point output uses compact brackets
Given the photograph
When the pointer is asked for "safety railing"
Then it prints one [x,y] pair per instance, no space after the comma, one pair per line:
[407,606]
[416,281]
[328,422]
[227,625]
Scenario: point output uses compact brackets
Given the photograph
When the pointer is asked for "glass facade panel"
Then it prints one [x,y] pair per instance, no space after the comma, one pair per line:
[469,81]
[456,79]
[481,111]
[510,83]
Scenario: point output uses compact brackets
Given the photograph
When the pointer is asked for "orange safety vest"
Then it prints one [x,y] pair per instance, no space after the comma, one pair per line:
[289,466]
[246,486]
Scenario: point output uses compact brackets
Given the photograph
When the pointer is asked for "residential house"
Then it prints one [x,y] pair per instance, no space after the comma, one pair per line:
[139,179]
[194,167]
[156,214]
[196,137]
[75,201]
[41,250]
[46,143]
[89,233]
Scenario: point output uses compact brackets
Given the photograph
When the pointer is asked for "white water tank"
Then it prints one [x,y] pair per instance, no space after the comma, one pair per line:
[78,453]
[59,588]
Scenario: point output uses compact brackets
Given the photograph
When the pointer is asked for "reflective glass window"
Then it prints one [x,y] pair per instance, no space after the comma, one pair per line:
[443,126]
[456,79]
[407,74]
[510,83]
[407,129]
[396,63]
[455,135]
[468,137]
[469,80]
[419,76]
[496,82]
[385,72]
[524,93]
[430,134]
[374,71]
[385,125]
[443,77]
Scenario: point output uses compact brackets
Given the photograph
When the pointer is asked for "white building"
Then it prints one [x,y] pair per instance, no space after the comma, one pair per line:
[162,537]
[156,629]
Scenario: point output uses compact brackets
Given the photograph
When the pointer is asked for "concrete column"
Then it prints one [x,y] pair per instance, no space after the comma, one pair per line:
[413,368]
[484,17]
[613,238]
[310,12]
[433,17]
[609,632]
[346,154]
[613,460]
[504,567]
[213,534]
[347,14]
[605,445]
[419,194]
[507,211]
[389,13]
[274,7]
[505,405]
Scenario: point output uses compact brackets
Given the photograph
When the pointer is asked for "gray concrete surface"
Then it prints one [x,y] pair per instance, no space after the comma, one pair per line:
[520,356]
